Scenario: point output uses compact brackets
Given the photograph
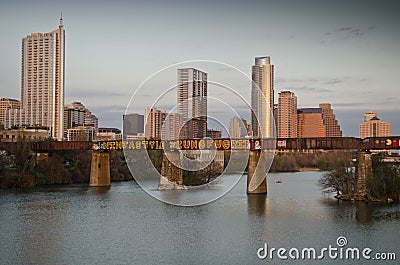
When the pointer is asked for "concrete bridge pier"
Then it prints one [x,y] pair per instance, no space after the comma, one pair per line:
[100,169]
[171,175]
[257,172]
[364,169]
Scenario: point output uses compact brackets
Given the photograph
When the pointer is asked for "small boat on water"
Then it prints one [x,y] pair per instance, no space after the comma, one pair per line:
[278,181]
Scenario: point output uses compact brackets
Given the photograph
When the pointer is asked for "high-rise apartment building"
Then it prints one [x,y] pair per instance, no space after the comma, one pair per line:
[331,124]
[77,115]
[214,133]
[133,124]
[374,127]
[171,129]
[154,123]
[262,97]
[42,82]
[310,123]
[287,115]
[192,102]
[74,115]
[237,128]
[7,104]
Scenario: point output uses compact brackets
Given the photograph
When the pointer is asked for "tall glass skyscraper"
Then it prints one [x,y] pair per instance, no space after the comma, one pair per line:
[42,81]
[262,98]
[192,102]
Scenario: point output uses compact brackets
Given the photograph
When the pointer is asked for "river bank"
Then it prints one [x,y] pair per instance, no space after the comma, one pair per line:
[67,167]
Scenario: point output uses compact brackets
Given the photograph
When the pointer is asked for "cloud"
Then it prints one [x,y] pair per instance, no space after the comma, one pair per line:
[333,81]
[390,99]
[344,105]
[319,81]
[351,32]
[94,93]
[109,115]
[310,89]
[109,108]
[312,84]
[345,33]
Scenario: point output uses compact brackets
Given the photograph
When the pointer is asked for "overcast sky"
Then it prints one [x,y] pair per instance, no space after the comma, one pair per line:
[346,53]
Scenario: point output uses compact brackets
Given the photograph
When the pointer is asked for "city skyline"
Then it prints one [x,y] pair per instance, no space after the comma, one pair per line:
[323,52]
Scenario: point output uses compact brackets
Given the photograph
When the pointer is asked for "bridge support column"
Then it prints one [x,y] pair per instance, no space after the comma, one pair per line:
[257,172]
[171,175]
[100,169]
[364,169]
[42,156]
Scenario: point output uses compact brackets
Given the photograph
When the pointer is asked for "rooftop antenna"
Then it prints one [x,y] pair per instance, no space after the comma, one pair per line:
[61,21]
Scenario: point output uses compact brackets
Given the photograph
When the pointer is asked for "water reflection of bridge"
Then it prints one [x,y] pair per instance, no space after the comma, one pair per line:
[259,151]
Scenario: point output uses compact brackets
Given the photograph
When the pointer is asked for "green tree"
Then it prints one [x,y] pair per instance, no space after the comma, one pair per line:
[384,182]
[341,179]
[24,162]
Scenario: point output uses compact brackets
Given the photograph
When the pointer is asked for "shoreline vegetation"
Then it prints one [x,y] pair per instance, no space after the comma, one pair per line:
[383,185]
[21,168]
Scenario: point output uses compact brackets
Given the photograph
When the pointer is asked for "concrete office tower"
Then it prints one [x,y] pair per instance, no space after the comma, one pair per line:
[133,124]
[262,97]
[310,123]
[374,127]
[192,102]
[154,123]
[42,80]
[237,128]
[7,104]
[287,115]
[331,124]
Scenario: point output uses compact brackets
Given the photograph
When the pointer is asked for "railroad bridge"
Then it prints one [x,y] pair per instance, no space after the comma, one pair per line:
[258,154]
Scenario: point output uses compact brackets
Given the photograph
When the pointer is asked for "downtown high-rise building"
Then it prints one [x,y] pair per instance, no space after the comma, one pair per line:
[237,128]
[373,126]
[192,102]
[317,122]
[7,104]
[171,128]
[76,114]
[262,98]
[133,124]
[287,115]
[310,123]
[42,82]
[369,115]
[154,123]
[331,124]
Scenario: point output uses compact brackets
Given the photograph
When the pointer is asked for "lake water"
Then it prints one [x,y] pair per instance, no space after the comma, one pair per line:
[74,224]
